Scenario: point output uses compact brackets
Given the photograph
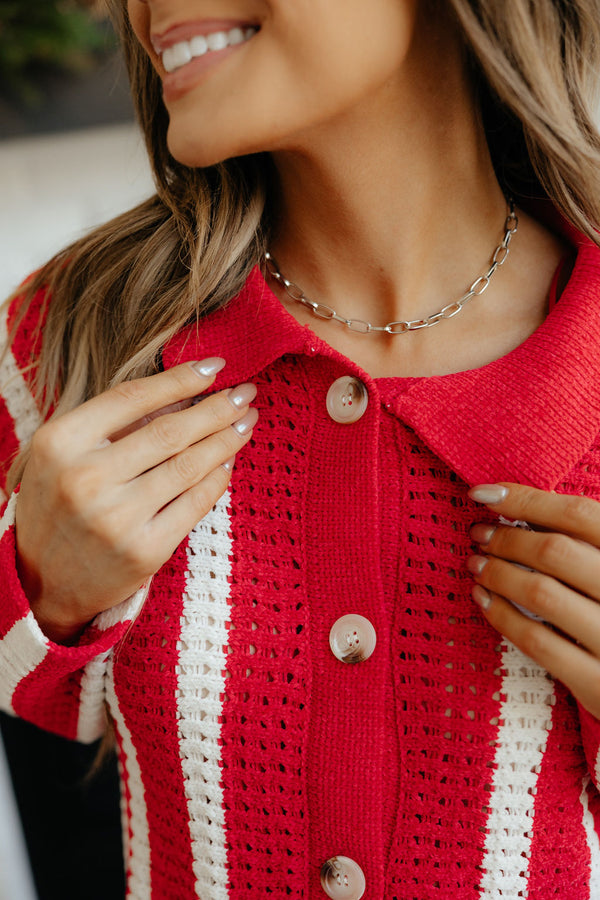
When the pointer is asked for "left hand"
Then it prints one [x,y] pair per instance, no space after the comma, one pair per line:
[563,589]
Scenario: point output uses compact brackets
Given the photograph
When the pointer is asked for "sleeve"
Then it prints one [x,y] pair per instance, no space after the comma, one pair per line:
[58,688]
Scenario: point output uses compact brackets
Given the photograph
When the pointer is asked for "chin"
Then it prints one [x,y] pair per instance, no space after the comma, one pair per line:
[194,153]
[198,149]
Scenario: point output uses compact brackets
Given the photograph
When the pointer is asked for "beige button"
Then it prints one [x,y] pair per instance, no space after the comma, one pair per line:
[352,638]
[342,879]
[347,400]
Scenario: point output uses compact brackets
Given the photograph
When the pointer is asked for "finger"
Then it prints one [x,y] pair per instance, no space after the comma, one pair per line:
[171,525]
[567,513]
[169,435]
[574,666]
[125,403]
[160,486]
[570,612]
[571,561]
[139,423]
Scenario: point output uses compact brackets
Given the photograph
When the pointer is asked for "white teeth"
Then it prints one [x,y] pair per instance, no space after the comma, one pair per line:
[198,45]
[181,54]
[217,41]
[236,36]
[177,56]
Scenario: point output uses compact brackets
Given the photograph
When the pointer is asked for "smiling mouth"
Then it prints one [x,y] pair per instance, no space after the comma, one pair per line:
[183,52]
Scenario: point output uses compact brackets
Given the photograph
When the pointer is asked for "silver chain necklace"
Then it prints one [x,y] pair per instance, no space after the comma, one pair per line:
[481,284]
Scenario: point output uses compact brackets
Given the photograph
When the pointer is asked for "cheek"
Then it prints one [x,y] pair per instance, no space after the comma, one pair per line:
[349,47]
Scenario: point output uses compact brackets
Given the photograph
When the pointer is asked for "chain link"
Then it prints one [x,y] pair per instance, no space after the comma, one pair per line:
[479,286]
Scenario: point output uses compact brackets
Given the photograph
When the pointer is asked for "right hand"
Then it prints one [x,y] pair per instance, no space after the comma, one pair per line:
[111,489]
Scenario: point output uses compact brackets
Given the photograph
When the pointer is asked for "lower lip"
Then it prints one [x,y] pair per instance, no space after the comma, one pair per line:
[177,84]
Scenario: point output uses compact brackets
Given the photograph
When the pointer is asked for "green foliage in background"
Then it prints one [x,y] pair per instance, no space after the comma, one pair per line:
[42,36]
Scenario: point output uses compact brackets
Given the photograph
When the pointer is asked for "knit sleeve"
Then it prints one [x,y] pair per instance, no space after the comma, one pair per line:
[57,688]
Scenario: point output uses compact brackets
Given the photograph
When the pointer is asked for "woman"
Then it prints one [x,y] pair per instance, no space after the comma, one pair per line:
[306,700]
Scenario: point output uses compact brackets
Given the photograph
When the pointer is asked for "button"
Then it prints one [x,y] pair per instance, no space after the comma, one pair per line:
[352,639]
[347,400]
[342,879]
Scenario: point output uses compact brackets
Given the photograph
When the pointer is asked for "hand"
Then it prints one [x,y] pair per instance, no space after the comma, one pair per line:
[111,489]
[563,588]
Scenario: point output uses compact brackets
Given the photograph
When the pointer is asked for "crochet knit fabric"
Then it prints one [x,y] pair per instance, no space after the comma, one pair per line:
[447,764]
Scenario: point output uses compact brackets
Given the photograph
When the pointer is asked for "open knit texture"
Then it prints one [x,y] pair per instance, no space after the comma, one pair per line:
[447,764]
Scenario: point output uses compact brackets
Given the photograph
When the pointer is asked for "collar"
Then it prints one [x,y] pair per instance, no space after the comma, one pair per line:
[530,416]
[527,417]
[250,333]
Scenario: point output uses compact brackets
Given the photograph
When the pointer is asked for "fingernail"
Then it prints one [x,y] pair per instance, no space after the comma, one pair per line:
[242,395]
[228,464]
[476,564]
[244,425]
[209,367]
[488,493]
[481,597]
[482,534]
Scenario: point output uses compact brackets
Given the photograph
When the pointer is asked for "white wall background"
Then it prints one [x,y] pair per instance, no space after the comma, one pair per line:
[54,188]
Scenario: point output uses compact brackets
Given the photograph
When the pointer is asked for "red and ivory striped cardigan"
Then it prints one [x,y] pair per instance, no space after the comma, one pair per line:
[445,765]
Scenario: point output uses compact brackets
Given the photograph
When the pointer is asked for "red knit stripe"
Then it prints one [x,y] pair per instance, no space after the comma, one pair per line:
[265,709]
[10,612]
[446,705]
[27,341]
[145,680]
[8,439]
[558,835]
[30,699]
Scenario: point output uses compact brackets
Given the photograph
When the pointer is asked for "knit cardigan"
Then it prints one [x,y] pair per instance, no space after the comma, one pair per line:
[445,765]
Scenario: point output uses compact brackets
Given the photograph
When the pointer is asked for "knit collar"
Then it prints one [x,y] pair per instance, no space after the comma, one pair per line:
[527,417]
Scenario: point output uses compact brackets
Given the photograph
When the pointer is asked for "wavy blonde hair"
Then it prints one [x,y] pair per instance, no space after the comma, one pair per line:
[120,293]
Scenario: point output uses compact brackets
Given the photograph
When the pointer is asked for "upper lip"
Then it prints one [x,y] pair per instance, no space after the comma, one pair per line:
[185,31]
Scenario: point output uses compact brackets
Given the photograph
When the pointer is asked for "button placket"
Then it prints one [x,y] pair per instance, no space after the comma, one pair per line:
[341,514]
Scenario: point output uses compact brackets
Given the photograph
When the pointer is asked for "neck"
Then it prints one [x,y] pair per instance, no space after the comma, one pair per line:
[387,217]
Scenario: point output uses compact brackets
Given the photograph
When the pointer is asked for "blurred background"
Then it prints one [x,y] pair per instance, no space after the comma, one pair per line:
[70,154]
[70,158]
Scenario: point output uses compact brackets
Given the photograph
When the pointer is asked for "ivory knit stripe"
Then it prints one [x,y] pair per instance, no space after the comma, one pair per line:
[14,389]
[125,612]
[525,716]
[201,685]
[91,723]
[137,860]
[591,834]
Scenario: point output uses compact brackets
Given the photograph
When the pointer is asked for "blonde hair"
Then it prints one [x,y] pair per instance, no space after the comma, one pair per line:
[119,294]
